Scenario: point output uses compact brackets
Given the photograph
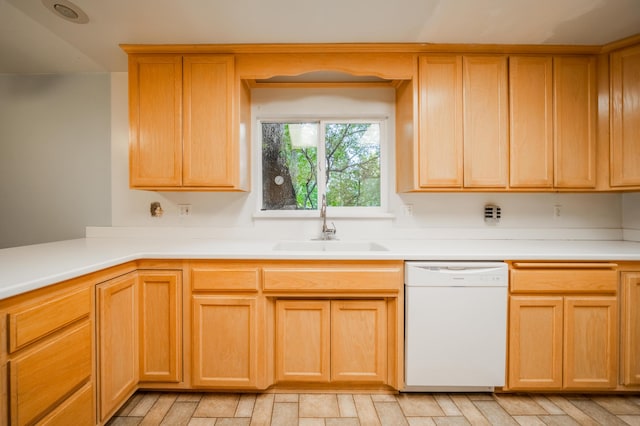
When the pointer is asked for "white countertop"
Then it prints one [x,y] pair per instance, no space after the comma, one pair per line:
[28,268]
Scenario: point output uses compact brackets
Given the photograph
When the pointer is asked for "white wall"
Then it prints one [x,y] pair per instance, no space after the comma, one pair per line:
[54,156]
[631,216]
[582,216]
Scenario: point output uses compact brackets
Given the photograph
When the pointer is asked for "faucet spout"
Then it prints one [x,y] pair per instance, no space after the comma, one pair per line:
[326,233]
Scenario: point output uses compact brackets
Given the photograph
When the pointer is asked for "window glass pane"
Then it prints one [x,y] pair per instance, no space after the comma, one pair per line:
[353,164]
[289,166]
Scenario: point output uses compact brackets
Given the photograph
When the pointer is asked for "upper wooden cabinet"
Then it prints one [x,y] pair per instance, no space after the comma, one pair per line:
[462,118]
[486,131]
[625,117]
[185,119]
[575,112]
[531,121]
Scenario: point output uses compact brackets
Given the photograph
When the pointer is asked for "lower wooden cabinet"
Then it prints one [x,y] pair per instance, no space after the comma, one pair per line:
[323,341]
[630,295]
[558,339]
[118,372]
[160,325]
[47,357]
[225,339]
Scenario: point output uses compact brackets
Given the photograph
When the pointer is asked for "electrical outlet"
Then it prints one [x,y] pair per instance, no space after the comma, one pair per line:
[492,214]
[184,210]
[407,209]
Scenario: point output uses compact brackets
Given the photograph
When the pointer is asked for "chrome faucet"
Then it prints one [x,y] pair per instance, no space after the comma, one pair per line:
[327,233]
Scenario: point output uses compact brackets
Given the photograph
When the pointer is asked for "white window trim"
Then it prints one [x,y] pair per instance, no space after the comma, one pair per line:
[381,212]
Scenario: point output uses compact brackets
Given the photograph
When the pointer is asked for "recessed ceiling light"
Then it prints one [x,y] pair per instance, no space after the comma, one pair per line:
[66,10]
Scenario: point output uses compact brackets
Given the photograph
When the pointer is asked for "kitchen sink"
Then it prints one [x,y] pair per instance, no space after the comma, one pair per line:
[329,245]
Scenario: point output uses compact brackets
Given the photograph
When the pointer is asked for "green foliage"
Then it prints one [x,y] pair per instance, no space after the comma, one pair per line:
[352,159]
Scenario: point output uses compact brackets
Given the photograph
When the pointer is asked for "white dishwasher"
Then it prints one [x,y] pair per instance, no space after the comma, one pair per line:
[455,326]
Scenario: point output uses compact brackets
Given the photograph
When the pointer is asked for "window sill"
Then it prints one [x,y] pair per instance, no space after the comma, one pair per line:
[315,215]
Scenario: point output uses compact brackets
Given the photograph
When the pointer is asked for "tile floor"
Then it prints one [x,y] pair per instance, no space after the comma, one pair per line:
[196,409]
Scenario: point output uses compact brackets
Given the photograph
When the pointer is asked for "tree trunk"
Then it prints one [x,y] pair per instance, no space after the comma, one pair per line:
[278,192]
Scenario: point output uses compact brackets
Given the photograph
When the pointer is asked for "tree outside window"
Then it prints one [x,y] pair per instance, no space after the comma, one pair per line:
[303,160]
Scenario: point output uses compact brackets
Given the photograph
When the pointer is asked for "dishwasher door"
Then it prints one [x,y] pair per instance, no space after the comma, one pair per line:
[456,325]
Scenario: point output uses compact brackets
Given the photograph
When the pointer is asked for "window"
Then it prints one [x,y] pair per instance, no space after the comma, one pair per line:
[302,160]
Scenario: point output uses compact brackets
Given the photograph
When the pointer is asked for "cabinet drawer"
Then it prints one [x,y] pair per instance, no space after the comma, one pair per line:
[340,279]
[564,278]
[44,376]
[78,409]
[228,279]
[30,324]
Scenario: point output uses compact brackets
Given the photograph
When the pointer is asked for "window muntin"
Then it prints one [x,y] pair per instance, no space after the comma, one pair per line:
[302,160]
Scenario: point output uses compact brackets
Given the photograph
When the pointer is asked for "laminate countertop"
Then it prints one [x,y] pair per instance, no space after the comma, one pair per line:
[27,268]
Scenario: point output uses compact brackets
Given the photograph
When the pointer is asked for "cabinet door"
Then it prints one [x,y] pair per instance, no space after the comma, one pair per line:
[224,341]
[535,342]
[302,341]
[359,341]
[486,127]
[40,379]
[117,341]
[531,121]
[440,122]
[155,120]
[631,328]
[210,157]
[590,343]
[160,326]
[575,112]
[625,117]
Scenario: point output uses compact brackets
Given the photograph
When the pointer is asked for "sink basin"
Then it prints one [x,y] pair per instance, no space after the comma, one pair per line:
[329,245]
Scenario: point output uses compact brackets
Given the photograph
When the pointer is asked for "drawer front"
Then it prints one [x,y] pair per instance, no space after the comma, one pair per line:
[571,278]
[333,279]
[30,324]
[227,279]
[76,410]
[44,376]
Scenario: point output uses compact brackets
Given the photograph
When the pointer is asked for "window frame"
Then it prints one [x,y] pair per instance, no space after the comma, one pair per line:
[332,211]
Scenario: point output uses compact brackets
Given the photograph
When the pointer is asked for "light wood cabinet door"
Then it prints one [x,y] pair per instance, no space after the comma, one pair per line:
[117,341]
[535,342]
[440,121]
[575,116]
[631,328]
[210,157]
[486,127]
[225,339]
[625,117]
[160,326]
[359,341]
[155,120]
[590,342]
[41,378]
[303,341]
[531,121]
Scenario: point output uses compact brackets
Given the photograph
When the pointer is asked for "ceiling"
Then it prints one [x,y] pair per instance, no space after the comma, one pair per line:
[34,40]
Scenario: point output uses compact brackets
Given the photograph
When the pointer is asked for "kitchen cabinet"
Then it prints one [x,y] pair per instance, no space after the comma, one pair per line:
[531,121]
[552,101]
[625,117]
[440,121]
[331,341]
[226,325]
[48,355]
[185,119]
[485,121]
[160,313]
[462,119]
[117,335]
[630,303]
[563,326]
[575,117]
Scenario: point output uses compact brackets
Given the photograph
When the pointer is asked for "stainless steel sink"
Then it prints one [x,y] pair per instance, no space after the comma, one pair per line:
[329,245]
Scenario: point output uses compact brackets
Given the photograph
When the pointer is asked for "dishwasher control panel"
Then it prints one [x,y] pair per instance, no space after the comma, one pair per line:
[494,274]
